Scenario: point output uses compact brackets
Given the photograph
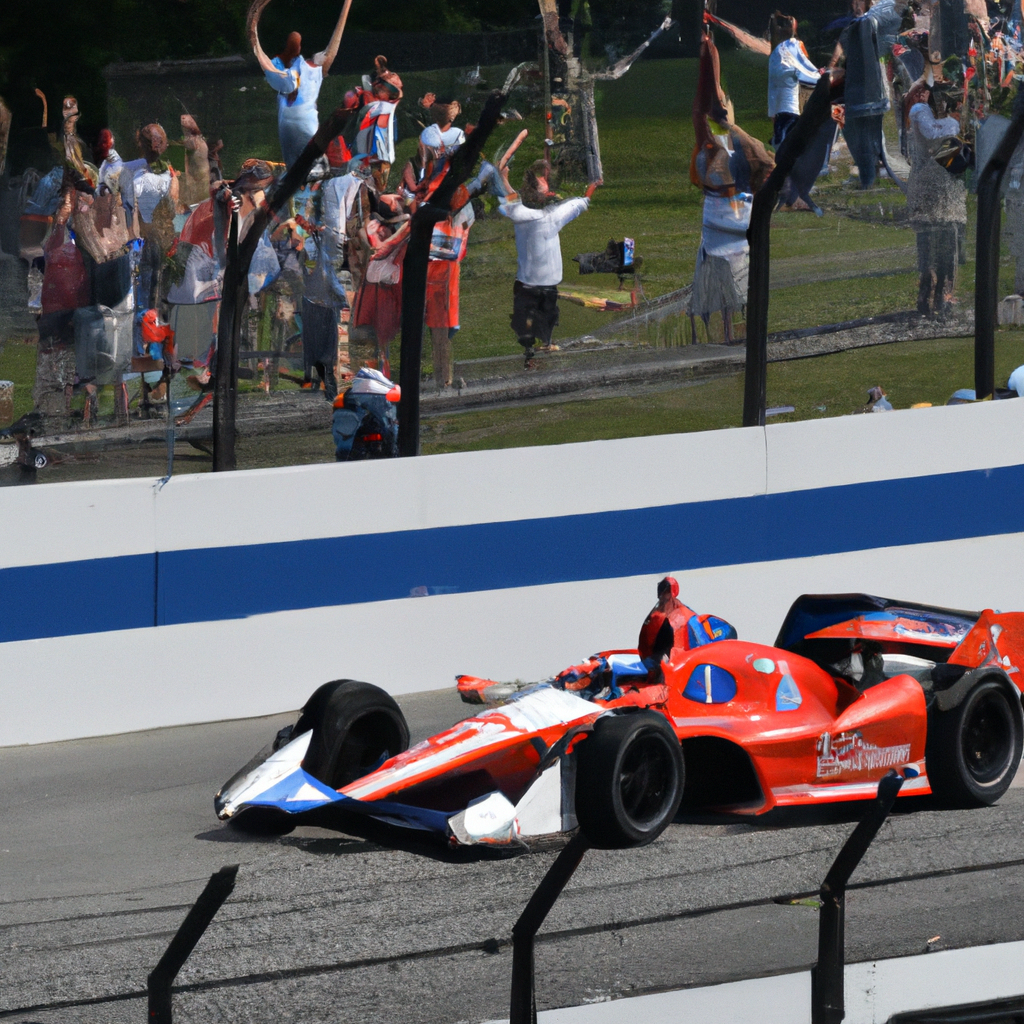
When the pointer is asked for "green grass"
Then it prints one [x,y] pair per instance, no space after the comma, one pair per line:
[836,385]
[18,363]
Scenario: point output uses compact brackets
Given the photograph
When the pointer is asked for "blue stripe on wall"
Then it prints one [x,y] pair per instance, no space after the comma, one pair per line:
[68,598]
[212,584]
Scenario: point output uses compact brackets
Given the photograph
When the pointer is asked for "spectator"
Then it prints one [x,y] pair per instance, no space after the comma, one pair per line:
[867,39]
[936,198]
[539,215]
[789,67]
[297,83]
[728,170]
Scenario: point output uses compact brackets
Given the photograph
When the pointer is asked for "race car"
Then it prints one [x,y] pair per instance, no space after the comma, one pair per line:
[854,687]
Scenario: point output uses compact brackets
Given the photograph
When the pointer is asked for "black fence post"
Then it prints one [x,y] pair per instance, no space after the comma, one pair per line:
[817,111]
[986,271]
[225,383]
[198,919]
[414,271]
[524,1003]
[828,1004]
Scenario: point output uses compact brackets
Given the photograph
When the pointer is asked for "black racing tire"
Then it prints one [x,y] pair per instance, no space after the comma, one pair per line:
[355,726]
[973,749]
[629,780]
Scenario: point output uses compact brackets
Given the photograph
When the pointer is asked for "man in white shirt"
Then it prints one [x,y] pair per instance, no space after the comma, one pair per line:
[538,217]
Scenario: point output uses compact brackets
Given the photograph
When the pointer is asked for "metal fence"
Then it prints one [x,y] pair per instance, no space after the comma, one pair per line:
[832,323]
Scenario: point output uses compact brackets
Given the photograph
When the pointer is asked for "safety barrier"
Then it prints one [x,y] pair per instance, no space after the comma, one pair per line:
[263,584]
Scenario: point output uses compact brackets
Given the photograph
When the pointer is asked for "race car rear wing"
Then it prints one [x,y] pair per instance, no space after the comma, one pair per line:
[812,613]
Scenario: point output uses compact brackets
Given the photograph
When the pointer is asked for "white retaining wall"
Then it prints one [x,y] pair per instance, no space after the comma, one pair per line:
[875,991]
[127,604]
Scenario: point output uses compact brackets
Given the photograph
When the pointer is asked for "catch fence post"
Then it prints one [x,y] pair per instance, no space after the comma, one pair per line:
[524,1003]
[827,991]
[817,111]
[986,270]
[414,271]
[239,256]
[198,919]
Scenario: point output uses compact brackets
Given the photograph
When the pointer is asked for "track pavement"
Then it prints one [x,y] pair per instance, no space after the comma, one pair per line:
[106,843]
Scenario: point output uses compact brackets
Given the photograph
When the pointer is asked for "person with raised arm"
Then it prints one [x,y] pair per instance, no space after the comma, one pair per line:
[296,81]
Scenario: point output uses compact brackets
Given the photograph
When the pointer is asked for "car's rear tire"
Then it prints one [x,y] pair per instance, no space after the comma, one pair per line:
[629,780]
[974,749]
[356,726]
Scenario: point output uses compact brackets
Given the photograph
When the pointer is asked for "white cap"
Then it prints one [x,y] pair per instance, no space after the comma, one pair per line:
[434,138]
[370,382]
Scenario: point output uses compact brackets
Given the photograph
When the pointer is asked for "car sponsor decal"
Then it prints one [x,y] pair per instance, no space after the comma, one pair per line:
[805,792]
[849,752]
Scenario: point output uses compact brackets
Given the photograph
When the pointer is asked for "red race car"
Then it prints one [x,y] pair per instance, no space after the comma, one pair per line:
[855,686]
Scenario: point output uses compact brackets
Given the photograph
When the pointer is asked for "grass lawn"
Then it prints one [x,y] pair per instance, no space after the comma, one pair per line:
[18,364]
[834,385]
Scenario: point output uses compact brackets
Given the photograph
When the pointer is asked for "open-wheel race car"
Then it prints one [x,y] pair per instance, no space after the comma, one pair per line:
[854,687]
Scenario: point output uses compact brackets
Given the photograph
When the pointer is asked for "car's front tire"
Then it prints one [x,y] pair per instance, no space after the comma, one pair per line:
[356,726]
[629,780]
[974,748]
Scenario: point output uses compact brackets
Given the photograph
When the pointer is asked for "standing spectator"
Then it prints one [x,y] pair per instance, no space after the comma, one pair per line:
[936,198]
[438,143]
[107,160]
[375,137]
[728,169]
[377,312]
[65,289]
[297,83]
[866,40]
[538,216]
[447,250]
[149,190]
[789,67]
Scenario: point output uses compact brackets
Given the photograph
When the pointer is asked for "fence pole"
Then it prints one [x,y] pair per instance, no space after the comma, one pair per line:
[198,919]
[827,992]
[524,1003]
[414,271]
[817,111]
[986,271]
[236,286]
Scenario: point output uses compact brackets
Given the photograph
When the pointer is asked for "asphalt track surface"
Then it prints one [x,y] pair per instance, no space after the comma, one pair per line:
[106,844]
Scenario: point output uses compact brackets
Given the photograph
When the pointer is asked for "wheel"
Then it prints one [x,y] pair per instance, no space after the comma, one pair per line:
[629,780]
[356,726]
[973,749]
